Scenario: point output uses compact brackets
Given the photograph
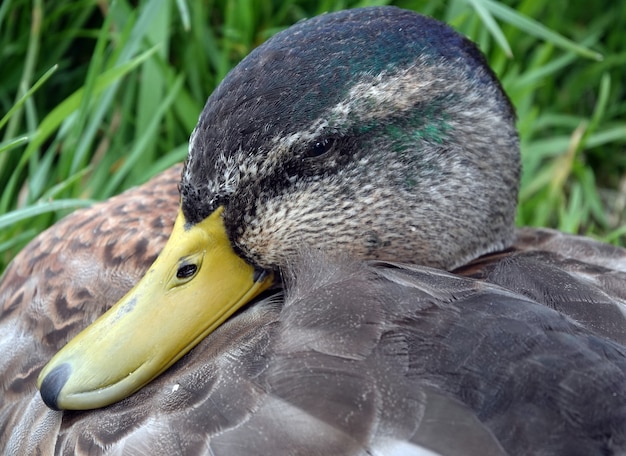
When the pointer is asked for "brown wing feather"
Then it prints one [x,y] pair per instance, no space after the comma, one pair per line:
[69,275]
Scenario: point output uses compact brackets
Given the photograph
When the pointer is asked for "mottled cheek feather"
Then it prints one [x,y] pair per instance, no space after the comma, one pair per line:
[319,217]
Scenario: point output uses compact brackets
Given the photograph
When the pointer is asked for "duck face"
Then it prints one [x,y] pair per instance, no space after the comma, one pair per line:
[372,133]
[375,133]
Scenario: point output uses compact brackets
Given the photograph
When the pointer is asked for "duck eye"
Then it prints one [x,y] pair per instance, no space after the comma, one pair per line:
[321,147]
[186,271]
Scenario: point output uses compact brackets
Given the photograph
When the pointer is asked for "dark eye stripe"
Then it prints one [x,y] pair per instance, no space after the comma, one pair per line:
[320,147]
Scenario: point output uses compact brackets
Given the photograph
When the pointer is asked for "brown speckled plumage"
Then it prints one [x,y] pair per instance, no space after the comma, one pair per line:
[77,269]
[519,351]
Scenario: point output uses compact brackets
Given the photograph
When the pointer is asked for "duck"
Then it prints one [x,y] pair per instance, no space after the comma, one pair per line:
[335,269]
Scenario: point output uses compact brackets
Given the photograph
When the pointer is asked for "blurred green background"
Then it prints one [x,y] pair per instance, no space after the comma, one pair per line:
[98,96]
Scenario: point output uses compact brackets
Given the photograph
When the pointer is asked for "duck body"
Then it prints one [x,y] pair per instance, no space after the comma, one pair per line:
[356,156]
[314,373]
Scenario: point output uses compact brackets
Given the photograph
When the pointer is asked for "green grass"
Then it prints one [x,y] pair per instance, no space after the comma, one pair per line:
[96,97]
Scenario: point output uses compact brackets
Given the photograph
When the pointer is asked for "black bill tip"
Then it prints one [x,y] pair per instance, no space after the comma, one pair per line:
[53,383]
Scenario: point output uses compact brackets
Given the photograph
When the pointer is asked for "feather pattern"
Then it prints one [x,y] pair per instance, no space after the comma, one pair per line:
[410,161]
[436,363]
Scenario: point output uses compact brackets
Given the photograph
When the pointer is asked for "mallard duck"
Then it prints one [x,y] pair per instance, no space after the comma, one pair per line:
[343,276]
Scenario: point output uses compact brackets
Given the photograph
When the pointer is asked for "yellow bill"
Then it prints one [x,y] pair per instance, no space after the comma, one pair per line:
[195,284]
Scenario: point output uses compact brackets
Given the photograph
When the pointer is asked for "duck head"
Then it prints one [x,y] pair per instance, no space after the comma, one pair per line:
[372,133]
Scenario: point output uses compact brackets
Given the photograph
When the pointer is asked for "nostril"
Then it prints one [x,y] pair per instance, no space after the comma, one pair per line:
[53,383]
[186,271]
